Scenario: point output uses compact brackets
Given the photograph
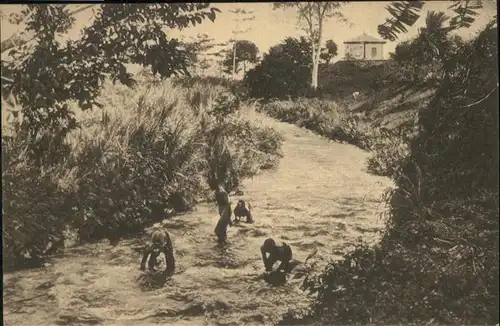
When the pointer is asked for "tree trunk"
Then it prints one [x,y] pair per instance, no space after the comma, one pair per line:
[234,60]
[315,66]
[314,80]
[244,68]
[316,52]
[314,69]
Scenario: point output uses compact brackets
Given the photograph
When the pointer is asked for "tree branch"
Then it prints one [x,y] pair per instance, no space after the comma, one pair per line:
[12,37]
[481,100]
[7,79]
[465,107]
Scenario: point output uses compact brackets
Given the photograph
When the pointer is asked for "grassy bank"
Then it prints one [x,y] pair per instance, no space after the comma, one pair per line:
[323,117]
[336,122]
[152,151]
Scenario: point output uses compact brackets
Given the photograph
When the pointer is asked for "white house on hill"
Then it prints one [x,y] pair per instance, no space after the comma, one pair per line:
[364,47]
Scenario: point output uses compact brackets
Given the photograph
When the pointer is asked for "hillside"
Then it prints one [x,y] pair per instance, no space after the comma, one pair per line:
[384,101]
[321,197]
[391,108]
[342,78]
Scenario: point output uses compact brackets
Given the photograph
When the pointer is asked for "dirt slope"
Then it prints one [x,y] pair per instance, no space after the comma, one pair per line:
[319,185]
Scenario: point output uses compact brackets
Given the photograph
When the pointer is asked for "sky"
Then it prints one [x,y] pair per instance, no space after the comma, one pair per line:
[271,26]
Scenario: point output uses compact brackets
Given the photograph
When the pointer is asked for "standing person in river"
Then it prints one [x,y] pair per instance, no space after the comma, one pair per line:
[222,200]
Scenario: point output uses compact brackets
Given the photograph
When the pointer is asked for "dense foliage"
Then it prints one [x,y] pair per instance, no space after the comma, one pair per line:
[285,71]
[343,78]
[421,60]
[437,262]
[154,151]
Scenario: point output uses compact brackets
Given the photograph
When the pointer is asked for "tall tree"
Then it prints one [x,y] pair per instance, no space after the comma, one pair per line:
[246,53]
[314,15]
[200,48]
[241,17]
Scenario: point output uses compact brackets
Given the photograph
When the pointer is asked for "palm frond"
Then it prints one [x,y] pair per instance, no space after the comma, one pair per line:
[404,14]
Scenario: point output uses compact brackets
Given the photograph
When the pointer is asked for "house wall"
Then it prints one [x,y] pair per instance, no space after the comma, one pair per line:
[357,50]
[374,51]
[354,50]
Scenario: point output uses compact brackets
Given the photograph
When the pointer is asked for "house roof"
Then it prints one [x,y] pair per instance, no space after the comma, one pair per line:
[365,39]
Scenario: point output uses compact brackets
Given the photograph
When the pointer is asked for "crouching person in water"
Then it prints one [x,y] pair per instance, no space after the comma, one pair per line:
[160,242]
[222,199]
[243,210]
[271,253]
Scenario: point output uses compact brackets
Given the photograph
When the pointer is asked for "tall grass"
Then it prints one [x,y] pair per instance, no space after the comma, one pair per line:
[152,150]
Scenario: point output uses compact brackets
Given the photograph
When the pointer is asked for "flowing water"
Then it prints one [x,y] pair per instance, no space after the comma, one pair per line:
[321,197]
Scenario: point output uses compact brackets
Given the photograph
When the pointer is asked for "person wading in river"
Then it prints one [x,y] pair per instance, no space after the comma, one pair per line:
[222,199]
[160,242]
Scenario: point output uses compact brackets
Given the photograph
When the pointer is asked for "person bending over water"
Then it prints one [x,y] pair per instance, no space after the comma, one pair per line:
[160,242]
[271,253]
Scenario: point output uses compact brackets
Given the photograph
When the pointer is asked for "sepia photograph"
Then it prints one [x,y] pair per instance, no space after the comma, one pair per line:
[250,163]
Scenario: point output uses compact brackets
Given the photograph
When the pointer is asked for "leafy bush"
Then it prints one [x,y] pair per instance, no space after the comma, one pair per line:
[437,262]
[323,117]
[154,151]
[390,148]
[37,202]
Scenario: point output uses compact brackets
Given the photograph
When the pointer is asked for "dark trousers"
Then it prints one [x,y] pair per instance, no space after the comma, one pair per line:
[223,223]
[221,229]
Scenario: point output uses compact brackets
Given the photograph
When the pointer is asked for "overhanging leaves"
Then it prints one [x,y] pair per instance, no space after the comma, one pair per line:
[405,13]
[45,74]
